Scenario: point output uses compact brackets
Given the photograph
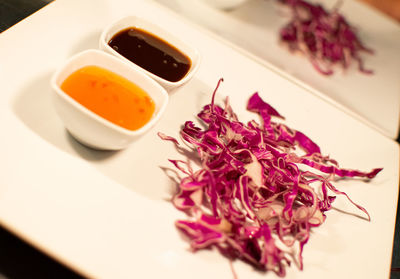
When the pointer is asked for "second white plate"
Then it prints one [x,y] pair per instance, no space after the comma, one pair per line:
[253,28]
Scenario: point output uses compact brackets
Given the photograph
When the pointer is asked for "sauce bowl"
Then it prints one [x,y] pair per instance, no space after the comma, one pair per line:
[86,126]
[141,24]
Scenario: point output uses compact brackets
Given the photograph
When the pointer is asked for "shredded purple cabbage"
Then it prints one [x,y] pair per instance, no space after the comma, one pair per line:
[326,38]
[250,198]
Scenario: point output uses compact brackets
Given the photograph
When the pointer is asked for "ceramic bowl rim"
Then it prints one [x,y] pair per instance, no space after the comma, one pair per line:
[147,25]
[67,64]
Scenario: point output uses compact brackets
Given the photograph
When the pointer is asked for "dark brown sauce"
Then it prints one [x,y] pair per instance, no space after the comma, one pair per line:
[151,53]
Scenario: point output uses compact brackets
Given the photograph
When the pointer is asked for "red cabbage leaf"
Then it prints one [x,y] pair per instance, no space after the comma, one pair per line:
[250,198]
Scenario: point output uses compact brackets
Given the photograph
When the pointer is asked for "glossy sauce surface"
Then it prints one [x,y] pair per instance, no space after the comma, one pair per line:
[151,53]
[110,96]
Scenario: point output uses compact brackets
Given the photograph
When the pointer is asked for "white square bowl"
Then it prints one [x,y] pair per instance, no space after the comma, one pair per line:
[139,23]
[86,126]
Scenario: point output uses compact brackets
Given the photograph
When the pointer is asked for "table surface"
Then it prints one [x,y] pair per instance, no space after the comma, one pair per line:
[19,259]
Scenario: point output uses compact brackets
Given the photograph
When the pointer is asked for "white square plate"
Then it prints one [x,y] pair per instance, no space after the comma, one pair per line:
[107,214]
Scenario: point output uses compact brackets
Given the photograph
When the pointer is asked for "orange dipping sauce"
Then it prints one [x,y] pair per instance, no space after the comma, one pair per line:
[111,96]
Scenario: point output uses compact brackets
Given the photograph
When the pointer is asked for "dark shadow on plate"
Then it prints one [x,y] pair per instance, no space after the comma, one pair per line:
[88,153]
[173,183]
[350,213]
[34,107]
